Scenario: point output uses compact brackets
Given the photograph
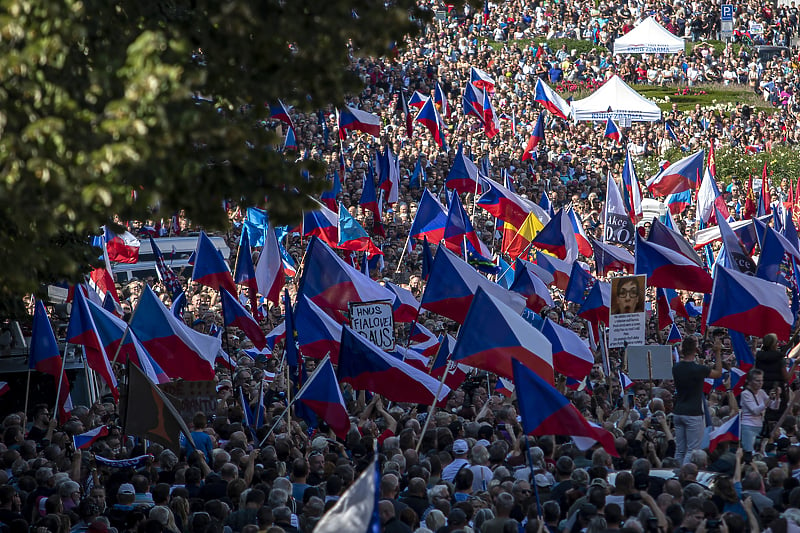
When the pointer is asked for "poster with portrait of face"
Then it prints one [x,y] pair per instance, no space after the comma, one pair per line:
[627,320]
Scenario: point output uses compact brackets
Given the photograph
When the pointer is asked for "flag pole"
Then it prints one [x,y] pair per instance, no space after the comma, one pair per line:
[289,405]
[430,411]
[403,253]
[533,477]
[27,392]
[61,375]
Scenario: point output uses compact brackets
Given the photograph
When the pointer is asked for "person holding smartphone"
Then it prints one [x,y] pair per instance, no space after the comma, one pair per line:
[755,402]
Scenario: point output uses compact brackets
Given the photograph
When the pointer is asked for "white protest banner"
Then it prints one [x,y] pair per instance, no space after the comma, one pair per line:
[374,320]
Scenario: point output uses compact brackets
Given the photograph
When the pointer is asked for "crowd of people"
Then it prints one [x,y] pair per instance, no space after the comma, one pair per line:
[473,469]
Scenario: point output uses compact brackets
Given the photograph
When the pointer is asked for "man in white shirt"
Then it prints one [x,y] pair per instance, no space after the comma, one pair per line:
[460,449]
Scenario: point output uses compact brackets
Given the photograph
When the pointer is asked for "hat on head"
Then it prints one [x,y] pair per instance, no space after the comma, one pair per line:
[126,488]
[225,383]
[599,482]
[460,447]
[319,444]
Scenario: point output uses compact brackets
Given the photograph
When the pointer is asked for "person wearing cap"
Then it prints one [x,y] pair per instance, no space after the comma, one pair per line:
[460,450]
[119,514]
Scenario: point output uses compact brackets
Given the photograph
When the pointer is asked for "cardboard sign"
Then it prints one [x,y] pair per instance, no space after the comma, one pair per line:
[653,361]
[375,321]
[192,396]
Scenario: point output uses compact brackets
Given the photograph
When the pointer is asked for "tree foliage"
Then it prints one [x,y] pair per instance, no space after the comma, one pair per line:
[97,117]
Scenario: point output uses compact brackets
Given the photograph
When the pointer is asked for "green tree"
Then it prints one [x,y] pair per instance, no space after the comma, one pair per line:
[97,117]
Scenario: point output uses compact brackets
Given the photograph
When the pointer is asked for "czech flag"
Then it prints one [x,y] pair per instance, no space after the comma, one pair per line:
[531,287]
[369,195]
[669,238]
[463,176]
[406,306]
[45,357]
[493,335]
[121,247]
[674,336]
[612,131]
[322,223]
[610,258]
[291,140]
[280,112]
[550,100]
[459,227]
[354,119]
[558,237]
[429,117]
[505,387]
[84,441]
[571,356]
[440,99]
[677,202]
[430,220]
[633,190]
[270,273]
[321,394]
[318,334]
[82,330]
[559,269]
[597,305]
[667,268]
[749,305]
[545,411]
[277,334]
[237,316]
[452,286]
[537,136]
[536,270]
[729,431]
[418,100]
[245,272]
[584,246]
[210,269]
[742,351]
[181,351]
[331,283]
[709,199]
[442,363]
[425,341]
[680,176]
[481,79]
[366,367]
[472,102]
[491,124]
[329,196]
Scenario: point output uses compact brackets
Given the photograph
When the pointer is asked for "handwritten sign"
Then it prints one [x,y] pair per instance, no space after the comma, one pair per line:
[374,320]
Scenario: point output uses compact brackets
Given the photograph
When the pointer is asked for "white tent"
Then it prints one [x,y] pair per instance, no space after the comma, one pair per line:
[649,37]
[616,100]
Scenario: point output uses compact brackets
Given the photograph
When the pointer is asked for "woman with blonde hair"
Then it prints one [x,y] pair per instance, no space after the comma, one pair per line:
[165,517]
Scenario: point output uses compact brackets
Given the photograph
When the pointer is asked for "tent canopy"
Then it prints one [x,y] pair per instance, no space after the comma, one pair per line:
[617,101]
[649,37]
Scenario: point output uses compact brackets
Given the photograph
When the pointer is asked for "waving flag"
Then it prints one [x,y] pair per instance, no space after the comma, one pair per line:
[670,131]
[481,79]
[442,363]
[558,237]
[369,196]
[571,356]
[352,236]
[543,274]
[357,510]
[210,269]
[493,335]
[729,431]
[738,256]
[584,246]
[366,367]
[775,262]
[430,118]
[521,242]
[402,107]
[679,201]
[290,143]
[596,307]
[749,305]
[245,272]
[472,102]
[674,336]
[440,100]
[389,174]
[537,136]
[406,306]
[426,343]
[669,269]
[322,223]
[669,238]
[418,100]
[329,196]
[632,190]
[269,272]
[559,269]
[280,112]
[612,131]
[610,258]
[764,199]
[546,204]
[177,348]
[679,176]
[531,287]
[709,199]
[45,357]
[354,119]
[463,175]
[491,123]
[741,349]
[317,333]
[331,283]
[84,441]
[165,272]
[430,220]
[453,284]
[237,316]
[321,394]
[82,330]
[121,247]
[550,100]
[459,227]
[580,283]
[545,411]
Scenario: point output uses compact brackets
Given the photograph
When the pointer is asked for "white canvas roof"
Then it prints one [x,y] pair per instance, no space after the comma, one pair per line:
[615,100]
[649,37]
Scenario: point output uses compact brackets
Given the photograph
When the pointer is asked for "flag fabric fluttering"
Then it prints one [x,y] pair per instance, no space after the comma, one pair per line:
[550,100]
[678,177]
[321,394]
[237,316]
[537,136]
[270,273]
[210,269]
[85,440]
[357,509]
[353,119]
[429,117]
[45,357]
[729,431]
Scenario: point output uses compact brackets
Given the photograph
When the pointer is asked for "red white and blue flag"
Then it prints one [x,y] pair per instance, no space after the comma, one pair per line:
[84,441]
[550,100]
[350,118]
[729,431]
